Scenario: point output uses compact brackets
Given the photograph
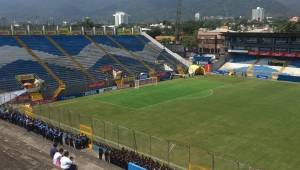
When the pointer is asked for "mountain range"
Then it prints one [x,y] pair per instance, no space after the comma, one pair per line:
[141,10]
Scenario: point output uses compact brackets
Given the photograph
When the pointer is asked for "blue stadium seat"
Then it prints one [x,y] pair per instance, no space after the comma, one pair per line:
[243,59]
[9,72]
[40,43]
[144,38]
[72,44]
[9,41]
[14,60]
[263,61]
[131,43]
[104,40]
[132,64]
[295,63]
[168,59]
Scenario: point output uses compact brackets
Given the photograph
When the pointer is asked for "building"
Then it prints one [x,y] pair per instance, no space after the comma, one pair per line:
[284,45]
[294,19]
[197,16]
[121,18]
[161,25]
[258,14]
[211,42]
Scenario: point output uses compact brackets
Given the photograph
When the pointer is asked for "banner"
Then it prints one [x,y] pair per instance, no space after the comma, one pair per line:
[274,54]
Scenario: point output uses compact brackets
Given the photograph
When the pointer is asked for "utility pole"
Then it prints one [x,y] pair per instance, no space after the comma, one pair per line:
[178,21]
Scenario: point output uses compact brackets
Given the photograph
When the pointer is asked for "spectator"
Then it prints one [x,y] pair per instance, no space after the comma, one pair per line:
[100,153]
[57,156]
[107,156]
[65,161]
[73,166]
[53,150]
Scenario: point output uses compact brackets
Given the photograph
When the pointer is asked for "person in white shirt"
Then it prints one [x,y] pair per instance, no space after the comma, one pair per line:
[57,156]
[65,161]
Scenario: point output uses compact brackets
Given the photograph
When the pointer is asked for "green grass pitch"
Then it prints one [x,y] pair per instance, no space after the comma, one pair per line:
[253,121]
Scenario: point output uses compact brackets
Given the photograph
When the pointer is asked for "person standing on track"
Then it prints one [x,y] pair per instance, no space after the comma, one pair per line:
[53,150]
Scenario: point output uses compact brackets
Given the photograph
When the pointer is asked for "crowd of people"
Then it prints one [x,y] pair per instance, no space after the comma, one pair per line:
[121,158]
[60,157]
[47,131]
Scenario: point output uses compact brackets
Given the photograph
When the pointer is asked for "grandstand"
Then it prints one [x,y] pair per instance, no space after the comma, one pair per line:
[263,55]
[71,64]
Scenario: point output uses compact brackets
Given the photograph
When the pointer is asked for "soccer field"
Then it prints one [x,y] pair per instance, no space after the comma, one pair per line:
[250,120]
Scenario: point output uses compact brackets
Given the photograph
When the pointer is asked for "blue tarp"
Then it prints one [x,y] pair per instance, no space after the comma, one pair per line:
[132,166]
[289,78]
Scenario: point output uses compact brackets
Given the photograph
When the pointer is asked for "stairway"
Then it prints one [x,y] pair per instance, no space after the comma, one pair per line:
[75,62]
[110,55]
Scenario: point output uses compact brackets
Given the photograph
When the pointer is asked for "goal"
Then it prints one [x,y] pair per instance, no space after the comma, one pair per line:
[143,82]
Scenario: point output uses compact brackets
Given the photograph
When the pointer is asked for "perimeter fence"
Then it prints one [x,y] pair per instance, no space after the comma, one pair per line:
[172,153]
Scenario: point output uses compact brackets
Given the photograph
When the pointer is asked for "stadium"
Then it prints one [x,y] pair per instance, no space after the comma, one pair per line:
[130,92]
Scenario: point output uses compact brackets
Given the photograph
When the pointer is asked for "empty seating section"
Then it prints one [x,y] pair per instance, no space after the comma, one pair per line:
[295,63]
[10,50]
[104,40]
[161,54]
[74,79]
[130,42]
[9,72]
[168,58]
[104,61]
[132,64]
[263,61]
[8,41]
[144,38]
[15,60]
[244,59]
[73,45]
[40,43]
[80,49]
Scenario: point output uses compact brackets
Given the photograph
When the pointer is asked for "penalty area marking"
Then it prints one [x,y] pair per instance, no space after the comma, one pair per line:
[64,103]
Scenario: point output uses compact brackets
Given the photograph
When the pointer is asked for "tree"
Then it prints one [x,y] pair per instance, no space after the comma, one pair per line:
[189,41]
[154,32]
[286,26]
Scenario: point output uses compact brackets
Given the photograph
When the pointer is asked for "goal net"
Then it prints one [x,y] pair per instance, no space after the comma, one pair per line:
[143,82]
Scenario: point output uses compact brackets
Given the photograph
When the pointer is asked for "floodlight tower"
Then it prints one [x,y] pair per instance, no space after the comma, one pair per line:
[178,21]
